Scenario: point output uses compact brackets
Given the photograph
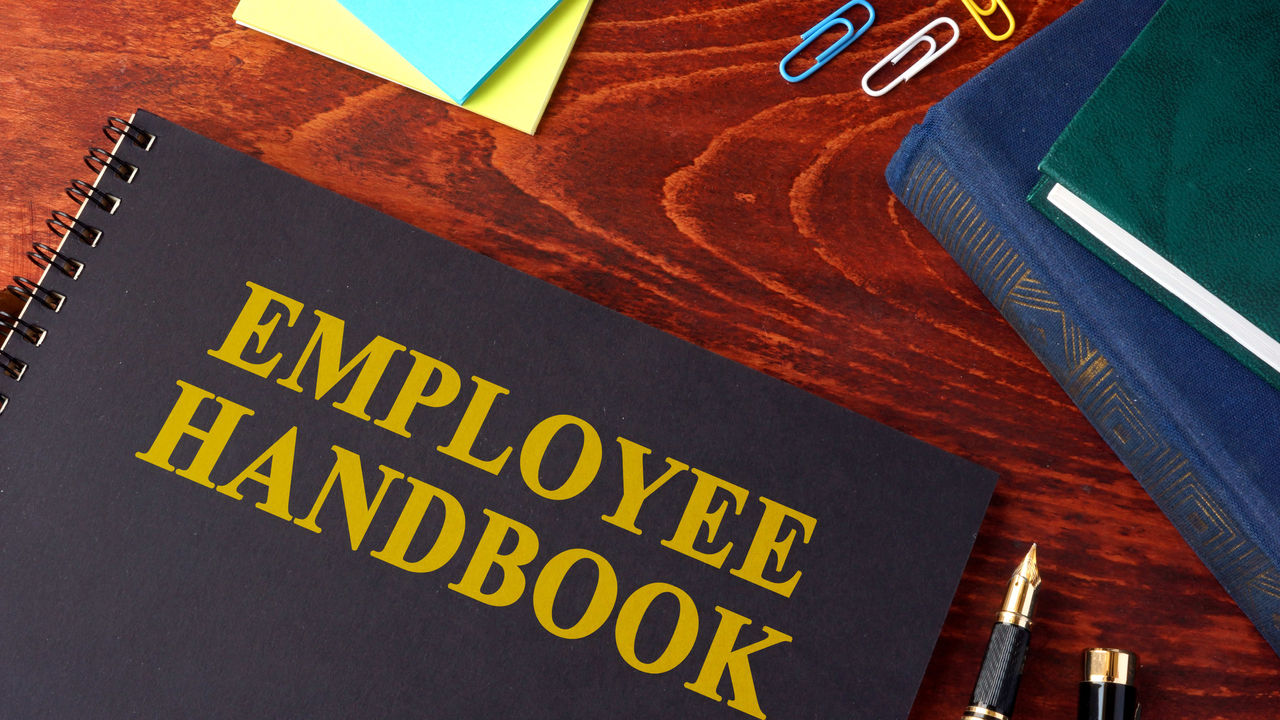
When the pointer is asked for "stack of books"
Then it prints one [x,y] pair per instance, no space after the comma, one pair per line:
[1111,185]
[497,58]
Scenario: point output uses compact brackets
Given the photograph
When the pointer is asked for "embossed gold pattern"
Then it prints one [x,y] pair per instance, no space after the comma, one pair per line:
[1090,378]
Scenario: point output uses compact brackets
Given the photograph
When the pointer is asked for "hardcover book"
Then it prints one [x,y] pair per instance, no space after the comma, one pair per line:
[1171,172]
[1195,427]
[279,455]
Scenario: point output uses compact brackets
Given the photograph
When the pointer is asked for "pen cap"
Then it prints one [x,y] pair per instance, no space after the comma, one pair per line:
[1107,665]
[1107,691]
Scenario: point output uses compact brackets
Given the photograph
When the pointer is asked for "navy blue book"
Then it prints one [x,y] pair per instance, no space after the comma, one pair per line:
[1197,428]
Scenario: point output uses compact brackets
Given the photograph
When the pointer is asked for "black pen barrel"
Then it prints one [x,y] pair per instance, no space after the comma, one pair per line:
[1107,701]
[997,685]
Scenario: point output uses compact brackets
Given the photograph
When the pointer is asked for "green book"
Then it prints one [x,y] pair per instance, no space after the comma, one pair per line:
[1171,172]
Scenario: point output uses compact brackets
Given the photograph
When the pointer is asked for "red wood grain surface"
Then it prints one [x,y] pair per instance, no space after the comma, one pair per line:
[677,179]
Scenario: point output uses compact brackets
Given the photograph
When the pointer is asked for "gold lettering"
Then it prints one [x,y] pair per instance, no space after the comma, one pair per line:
[487,556]
[767,543]
[682,638]
[723,656]
[464,438]
[249,325]
[178,425]
[372,361]
[277,481]
[415,509]
[598,608]
[634,489]
[412,392]
[584,470]
[359,511]
[698,515]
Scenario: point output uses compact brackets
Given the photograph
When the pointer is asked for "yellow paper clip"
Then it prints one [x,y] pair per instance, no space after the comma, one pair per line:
[979,14]
[921,38]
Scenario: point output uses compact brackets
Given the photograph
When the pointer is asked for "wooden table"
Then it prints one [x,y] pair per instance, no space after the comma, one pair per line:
[678,179]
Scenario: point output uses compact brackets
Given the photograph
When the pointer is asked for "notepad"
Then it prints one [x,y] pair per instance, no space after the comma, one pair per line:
[279,455]
[455,43]
[516,94]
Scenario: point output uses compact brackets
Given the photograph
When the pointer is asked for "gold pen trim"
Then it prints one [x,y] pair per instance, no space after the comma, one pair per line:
[977,712]
[1108,665]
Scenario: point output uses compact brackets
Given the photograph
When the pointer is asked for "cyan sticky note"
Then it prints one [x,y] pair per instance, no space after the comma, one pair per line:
[455,43]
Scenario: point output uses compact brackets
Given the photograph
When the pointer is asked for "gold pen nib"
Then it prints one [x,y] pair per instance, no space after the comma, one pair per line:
[1028,568]
[1020,598]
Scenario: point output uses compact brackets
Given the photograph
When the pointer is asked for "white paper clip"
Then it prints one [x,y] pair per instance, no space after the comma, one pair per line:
[922,37]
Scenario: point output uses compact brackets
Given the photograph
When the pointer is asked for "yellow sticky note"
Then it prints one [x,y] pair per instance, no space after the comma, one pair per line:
[515,95]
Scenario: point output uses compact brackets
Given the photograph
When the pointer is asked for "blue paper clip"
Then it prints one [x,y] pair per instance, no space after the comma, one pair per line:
[816,31]
[921,38]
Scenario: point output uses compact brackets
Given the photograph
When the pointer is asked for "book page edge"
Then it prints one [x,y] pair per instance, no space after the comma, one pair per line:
[1167,275]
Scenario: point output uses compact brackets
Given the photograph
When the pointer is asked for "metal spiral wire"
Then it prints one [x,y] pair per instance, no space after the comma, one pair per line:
[65,226]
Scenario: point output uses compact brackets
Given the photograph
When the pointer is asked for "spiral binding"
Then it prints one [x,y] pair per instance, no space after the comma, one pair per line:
[65,226]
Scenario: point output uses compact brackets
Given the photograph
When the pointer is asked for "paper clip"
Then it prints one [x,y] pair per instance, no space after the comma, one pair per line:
[978,14]
[816,31]
[922,37]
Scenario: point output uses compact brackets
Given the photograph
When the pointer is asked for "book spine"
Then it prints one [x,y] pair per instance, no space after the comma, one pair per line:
[1177,476]
[56,258]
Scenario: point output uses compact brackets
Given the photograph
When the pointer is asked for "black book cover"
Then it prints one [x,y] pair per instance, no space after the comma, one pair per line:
[241,479]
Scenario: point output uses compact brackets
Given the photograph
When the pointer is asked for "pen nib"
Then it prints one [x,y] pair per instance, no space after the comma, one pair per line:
[1020,598]
[1029,569]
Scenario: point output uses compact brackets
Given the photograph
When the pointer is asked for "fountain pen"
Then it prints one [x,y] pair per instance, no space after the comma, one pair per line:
[997,685]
